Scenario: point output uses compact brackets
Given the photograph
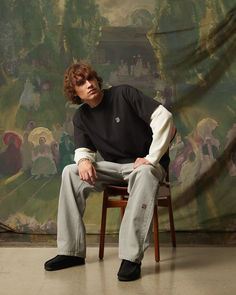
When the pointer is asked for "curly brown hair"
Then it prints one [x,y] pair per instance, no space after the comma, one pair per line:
[73,76]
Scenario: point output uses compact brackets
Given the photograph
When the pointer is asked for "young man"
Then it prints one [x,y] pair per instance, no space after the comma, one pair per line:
[132,133]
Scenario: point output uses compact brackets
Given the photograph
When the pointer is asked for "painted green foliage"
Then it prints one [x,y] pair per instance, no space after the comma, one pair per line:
[22,28]
[167,43]
[81,28]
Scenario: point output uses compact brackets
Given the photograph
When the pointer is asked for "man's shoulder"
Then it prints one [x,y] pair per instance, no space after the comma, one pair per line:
[120,91]
[81,109]
[119,88]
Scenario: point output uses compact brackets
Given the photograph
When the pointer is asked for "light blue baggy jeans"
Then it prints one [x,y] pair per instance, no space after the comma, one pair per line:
[135,229]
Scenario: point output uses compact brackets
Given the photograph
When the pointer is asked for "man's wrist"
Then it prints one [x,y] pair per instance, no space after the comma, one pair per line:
[82,160]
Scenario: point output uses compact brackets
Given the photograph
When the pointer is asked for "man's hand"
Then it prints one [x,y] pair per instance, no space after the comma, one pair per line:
[141,161]
[87,171]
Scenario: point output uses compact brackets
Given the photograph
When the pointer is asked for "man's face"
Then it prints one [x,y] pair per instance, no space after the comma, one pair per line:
[87,88]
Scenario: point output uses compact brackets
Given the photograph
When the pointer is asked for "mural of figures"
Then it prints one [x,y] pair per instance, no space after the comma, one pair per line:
[30,99]
[134,71]
[30,126]
[160,97]
[189,170]
[55,152]
[27,97]
[58,132]
[182,150]
[210,145]
[139,69]
[133,65]
[176,156]
[11,159]
[43,163]
[66,149]
[177,147]
[68,126]
[27,152]
[123,69]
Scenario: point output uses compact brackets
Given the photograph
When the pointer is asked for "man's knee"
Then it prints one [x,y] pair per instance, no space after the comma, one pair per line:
[148,171]
[144,169]
[69,169]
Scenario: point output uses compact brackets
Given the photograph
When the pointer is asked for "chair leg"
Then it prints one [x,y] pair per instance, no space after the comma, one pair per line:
[103,225]
[156,235]
[172,226]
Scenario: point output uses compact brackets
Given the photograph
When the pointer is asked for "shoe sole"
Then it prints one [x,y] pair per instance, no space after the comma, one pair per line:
[59,268]
[123,279]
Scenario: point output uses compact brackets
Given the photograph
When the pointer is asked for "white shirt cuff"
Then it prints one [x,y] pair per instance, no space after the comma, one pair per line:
[84,153]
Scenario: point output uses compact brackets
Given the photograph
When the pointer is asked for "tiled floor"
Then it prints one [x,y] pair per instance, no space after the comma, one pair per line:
[184,270]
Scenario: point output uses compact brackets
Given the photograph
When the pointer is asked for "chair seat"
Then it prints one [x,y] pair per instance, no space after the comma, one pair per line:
[114,190]
[164,190]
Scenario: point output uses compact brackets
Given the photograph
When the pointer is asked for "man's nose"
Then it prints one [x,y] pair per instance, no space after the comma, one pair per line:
[88,83]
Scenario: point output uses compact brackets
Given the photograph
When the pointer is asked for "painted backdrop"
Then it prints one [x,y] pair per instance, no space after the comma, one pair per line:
[181,53]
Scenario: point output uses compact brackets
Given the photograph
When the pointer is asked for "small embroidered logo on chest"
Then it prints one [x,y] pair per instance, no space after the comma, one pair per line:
[117,119]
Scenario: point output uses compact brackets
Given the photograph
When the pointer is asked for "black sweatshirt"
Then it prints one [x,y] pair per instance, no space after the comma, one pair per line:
[119,127]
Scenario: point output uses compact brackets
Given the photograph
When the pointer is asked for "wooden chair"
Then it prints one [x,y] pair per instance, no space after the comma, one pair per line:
[163,200]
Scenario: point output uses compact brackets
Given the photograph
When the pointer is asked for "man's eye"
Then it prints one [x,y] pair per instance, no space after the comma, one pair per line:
[79,83]
[90,78]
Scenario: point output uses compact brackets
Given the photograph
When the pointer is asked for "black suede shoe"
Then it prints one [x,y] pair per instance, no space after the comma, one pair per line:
[63,261]
[129,271]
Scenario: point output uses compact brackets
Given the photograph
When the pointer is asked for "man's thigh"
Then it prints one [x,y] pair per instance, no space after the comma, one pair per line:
[143,170]
[108,173]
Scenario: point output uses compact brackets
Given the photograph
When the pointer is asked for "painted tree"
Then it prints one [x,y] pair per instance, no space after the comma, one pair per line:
[81,28]
[21,30]
[175,26]
[7,32]
[47,52]
[29,25]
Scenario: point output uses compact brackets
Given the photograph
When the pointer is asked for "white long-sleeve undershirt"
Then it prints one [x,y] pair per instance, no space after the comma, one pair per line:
[161,124]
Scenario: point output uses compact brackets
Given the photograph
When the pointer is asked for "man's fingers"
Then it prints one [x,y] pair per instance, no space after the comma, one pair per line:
[88,177]
[87,172]
[137,163]
[91,177]
[141,161]
[94,172]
